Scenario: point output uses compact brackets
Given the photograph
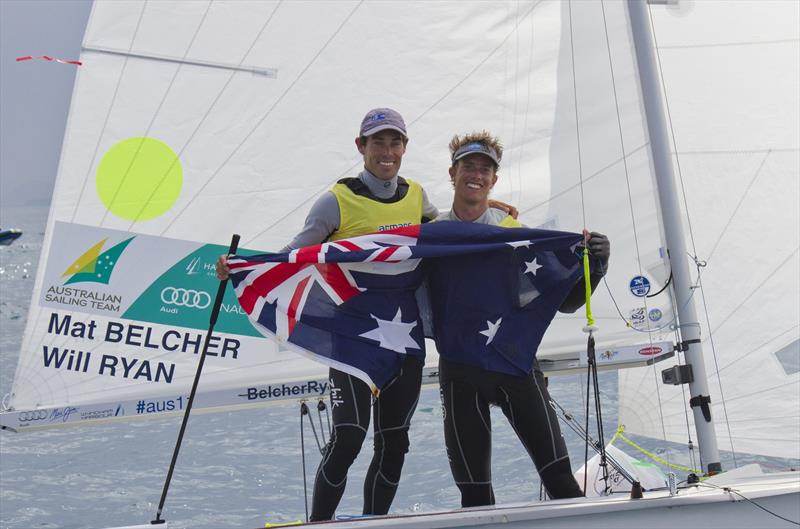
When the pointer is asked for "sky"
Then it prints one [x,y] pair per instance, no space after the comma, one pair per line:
[35,95]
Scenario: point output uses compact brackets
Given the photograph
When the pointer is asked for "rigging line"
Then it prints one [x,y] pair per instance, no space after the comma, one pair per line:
[630,205]
[689,222]
[716,362]
[510,87]
[769,418]
[150,126]
[622,144]
[516,96]
[209,109]
[758,391]
[222,91]
[312,196]
[586,429]
[738,151]
[319,416]
[723,44]
[590,344]
[744,355]
[765,389]
[433,105]
[108,115]
[303,411]
[671,128]
[686,421]
[756,289]
[748,353]
[705,302]
[590,177]
[527,110]
[265,116]
[736,492]
[476,67]
[736,209]
[577,120]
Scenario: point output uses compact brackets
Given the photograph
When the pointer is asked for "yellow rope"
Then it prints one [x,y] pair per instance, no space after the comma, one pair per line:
[588,284]
[650,454]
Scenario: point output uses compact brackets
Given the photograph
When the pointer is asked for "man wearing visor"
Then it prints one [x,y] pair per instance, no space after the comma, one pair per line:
[472,373]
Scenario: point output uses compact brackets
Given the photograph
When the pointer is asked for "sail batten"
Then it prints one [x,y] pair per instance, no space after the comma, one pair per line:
[267,72]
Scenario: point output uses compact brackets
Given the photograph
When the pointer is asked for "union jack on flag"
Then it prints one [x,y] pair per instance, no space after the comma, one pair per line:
[351,303]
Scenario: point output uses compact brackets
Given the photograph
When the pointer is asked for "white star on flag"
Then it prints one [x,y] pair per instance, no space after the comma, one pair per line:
[532,266]
[393,335]
[519,244]
[491,330]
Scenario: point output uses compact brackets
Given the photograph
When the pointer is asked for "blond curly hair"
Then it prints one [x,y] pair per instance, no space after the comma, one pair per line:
[483,137]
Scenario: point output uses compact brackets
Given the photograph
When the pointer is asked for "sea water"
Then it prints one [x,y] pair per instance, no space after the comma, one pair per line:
[236,469]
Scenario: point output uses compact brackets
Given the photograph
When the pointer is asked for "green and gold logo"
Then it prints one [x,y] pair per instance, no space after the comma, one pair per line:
[93,266]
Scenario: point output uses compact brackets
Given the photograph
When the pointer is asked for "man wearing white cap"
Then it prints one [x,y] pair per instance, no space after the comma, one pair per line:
[473,375]
[377,199]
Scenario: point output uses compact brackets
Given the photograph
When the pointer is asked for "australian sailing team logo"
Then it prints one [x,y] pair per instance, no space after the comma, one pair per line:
[93,266]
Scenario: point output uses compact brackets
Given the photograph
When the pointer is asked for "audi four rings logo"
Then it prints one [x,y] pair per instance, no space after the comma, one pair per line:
[35,415]
[195,299]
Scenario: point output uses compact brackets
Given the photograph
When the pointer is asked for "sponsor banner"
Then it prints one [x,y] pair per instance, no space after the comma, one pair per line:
[138,277]
[124,316]
[164,405]
[630,354]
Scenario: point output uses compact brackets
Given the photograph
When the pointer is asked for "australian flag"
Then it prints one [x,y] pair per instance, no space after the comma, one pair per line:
[351,303]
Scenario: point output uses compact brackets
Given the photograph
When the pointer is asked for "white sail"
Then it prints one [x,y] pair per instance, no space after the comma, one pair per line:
[258,104]
[732,82]
[249,109]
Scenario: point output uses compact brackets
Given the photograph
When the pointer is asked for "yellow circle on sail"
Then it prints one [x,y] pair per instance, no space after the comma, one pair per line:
[139,178]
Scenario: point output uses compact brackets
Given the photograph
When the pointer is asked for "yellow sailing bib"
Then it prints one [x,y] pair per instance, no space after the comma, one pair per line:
[359,215]
[510,222]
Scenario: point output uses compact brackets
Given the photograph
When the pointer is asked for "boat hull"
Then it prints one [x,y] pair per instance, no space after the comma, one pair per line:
[707,505]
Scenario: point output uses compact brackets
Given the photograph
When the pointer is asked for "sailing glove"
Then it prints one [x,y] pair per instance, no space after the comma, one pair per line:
[600,249]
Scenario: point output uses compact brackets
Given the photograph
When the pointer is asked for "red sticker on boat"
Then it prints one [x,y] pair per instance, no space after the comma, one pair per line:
[650,351]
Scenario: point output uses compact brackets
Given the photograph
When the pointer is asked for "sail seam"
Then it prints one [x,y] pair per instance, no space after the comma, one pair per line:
[590,177]
[433,105]
[264,117]
[108,116]
[147,134]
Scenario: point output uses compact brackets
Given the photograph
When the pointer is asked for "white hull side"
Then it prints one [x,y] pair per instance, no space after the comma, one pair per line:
[698,506]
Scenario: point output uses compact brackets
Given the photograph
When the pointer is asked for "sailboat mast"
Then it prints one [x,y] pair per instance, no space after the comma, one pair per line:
[670,211]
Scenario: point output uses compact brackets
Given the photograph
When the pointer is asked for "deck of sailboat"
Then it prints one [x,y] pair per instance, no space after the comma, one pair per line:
[777,492]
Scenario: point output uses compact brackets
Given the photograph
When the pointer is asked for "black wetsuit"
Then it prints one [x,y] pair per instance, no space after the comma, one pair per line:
[351,398]
[472,376]
[467,392]
[392,411]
